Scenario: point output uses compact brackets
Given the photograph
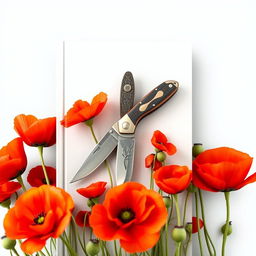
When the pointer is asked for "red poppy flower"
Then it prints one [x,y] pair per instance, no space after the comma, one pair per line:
[7,189]
[222,169]
[149,162]
[83,111]
[82,218]
[36,176]
[36,132]
[173,179]
[160,142]
[194,224]
[13,160]
[94,190]
[131,213]
[38,214]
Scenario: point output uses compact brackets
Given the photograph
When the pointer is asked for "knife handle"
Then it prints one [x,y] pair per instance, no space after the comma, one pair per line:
[153,100]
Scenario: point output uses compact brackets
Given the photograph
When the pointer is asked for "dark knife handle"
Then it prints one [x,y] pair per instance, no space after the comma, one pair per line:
[127,93]
[153,100]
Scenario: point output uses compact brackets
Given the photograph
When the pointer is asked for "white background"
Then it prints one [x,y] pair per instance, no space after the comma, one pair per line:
[223,38]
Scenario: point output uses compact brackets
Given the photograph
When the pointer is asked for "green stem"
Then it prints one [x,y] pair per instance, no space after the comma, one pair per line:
[40,149]
[189,240]
[15,252]
[198,226]
[115,246]
[185,207]
[166,239]
[151,179]
[175,196]
[227,194]
[206,233]
[69,247]
[105,162]
[170,216]
[20,180]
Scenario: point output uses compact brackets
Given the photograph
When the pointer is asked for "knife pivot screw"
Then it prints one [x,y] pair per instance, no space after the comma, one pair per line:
[110,131]
[125,125]
[127,87]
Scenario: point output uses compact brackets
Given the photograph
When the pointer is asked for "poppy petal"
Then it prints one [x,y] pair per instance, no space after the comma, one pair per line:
[33,245]
[247,181]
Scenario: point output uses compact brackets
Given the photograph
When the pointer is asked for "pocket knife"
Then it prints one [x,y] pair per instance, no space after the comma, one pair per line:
[121,135]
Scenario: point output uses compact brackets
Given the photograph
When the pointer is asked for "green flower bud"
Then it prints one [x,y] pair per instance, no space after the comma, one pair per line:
[229,228]
[179,234]
[93,247]
[167,201]
[197,149]
[191,188]
[157,150]
[8,243]
[189,227]
[161,156]
[6,203]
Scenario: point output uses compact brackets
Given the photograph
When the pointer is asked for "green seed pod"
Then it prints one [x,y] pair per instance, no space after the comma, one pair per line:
[229,228]
[189,227]
[6,203]
[161,156]
[197,149]
[191,188]
[8,243]
[157,150]
[93,247]
[167,201]
[179,234]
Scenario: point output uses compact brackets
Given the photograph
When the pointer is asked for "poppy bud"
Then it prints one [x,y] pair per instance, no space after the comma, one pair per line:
[157,150]
[197,149]
[8,243]
[192,188]
[6,203]
[167,201]
[189,227]
[93,247]
[161,156]
[229,228]
[179,234]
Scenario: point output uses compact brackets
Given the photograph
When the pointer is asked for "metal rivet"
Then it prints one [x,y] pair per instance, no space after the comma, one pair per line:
[110,131]
[170,85]
[127,87]
[154,105]
[125,125]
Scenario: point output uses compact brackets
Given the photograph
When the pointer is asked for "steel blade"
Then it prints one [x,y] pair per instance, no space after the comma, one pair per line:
[125,157]
[100,152]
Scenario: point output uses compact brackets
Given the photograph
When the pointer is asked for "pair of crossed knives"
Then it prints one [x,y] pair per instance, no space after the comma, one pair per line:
[121,134]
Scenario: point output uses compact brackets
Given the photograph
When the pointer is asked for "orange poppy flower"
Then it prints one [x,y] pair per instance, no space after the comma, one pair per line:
[36,132]
[222,169]
[173,179]
[160,142]
[38,214]
[194,225]
[94,190]
[36,176]
[131,213]
[149,162]
[7,189]
[13,160]
[82,218]
[83,111]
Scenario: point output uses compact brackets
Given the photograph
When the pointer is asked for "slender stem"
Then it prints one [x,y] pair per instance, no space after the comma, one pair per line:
[227,194]
[170,216]
[40,149]
[151,179]
[115,246]
[189,240]
[105,162]
[69,247]
[15,252]
[20,180]
[177,209]
[198,226]
[208,239]
[185,207]
[166,239]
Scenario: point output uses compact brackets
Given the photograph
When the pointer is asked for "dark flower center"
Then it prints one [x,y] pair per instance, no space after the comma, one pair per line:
[126,215]
[39,220]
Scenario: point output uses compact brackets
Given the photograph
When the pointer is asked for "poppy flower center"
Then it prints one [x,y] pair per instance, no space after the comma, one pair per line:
[126,215]
[39,219]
